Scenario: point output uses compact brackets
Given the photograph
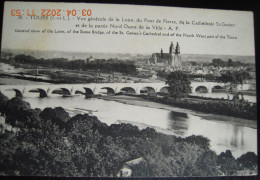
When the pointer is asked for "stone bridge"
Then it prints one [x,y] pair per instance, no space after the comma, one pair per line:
[46,90]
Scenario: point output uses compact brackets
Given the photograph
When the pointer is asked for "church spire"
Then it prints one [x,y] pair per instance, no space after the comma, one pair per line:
[171,48]
[177,50]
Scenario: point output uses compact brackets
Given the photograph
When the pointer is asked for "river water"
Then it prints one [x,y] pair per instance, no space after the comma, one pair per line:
[222,132]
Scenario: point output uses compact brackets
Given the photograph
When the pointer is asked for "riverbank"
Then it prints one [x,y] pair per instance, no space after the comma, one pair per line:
[65,75]
[34,79]
[43,74]
[138,101]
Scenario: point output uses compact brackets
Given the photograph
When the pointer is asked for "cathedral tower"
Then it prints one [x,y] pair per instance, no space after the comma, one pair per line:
[177,56]
[171,55]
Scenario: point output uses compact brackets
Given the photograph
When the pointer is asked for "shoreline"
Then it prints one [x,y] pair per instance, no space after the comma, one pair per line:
[30,79]
[138,101]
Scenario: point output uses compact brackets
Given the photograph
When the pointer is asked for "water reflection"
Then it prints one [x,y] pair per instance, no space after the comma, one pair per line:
[178,122]
[222,134]
[237,140]
[234,138]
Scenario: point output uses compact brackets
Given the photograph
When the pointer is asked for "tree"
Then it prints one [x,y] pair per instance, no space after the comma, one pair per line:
[235,78]
[162,74]
[248,160]
[24,59]
[230,62]
[3,102]
[218,62]
[242,76]
[179,83]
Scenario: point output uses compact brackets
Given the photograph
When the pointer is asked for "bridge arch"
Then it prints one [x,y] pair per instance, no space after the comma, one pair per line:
[128,90]
[110,91]
[79,92]
[201,89]
[61,91]
[66,91]
[57,91]
[42,92]
[165,90]
[217,88]
[148,89]
[18,93]
[88,91]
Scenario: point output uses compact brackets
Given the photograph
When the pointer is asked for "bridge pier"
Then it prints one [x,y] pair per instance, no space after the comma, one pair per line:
[209,89]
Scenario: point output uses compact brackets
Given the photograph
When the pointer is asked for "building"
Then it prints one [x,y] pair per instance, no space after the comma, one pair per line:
[90,59]
[126,170]
[173,58]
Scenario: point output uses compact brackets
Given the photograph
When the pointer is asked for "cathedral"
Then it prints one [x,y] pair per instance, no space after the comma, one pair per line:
[173,58]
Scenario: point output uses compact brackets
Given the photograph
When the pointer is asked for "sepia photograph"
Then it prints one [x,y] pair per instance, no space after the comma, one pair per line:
[114,90]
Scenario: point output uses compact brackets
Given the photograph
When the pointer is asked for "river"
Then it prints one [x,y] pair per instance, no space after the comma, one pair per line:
[222,131]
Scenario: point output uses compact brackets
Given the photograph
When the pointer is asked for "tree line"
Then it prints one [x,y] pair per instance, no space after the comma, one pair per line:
[102,65]
[229,63]
[217,62]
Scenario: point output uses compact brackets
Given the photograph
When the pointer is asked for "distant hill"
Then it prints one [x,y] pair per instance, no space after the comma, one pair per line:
[124,56]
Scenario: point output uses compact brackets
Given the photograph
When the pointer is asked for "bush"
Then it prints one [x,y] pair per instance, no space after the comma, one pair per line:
[248,160]
[228,164]
[57,115]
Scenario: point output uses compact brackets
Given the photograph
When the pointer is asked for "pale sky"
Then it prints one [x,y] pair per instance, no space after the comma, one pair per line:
[243,29]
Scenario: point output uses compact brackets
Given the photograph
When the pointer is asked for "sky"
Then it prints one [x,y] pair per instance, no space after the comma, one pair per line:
[241,21]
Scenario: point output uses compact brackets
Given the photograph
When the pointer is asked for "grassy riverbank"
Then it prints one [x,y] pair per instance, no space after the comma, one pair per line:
[234,108]
[51,143]
[138,101]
